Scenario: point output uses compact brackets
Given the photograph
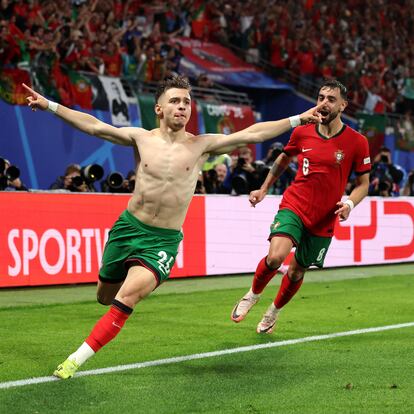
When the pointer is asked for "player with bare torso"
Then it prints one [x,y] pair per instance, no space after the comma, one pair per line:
[143,243]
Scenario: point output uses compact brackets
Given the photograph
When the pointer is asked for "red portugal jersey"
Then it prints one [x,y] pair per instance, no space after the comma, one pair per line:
[324,165]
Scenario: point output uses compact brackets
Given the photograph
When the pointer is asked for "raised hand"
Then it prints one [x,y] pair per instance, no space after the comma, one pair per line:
[35,100]
[311,116]
[343,210]
[256,196]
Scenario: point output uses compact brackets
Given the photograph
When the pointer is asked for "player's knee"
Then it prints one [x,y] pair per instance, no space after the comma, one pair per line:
[131,300]
[104,299]
[274,260]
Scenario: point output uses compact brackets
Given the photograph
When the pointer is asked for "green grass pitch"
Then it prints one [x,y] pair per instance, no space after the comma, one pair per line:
[366,373]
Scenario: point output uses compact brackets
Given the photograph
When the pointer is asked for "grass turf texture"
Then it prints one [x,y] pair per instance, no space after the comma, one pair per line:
[369,373]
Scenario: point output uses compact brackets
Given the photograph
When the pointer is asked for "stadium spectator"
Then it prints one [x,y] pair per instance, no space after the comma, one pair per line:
[244,175]
[408,189]
[215,180]
[73,180]
[117,183]
[385,177]
[10,177]
[308,44]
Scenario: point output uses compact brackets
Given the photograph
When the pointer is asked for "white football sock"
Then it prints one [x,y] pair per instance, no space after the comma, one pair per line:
[83,353]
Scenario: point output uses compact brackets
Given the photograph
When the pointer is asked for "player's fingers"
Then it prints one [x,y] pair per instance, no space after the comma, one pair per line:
[339,210]
[29,89]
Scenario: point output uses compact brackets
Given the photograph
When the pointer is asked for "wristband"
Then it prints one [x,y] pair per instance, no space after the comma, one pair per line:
[294,121]
[350,203]
[52,106]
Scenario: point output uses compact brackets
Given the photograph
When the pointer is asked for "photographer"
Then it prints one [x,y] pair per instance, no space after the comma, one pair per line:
[116,183]
[385,177]
[75,179]
[244,176]
[214,180]
[9,177]
[408,189]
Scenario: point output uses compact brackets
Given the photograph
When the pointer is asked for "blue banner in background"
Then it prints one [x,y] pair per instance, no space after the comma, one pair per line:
[41,145]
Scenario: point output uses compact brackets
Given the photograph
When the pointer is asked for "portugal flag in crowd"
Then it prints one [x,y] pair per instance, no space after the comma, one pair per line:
[11,89]
[373,127]
[80,88]
[199,19]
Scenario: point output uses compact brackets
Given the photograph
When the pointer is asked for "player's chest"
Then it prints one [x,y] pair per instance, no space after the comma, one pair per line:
[331,153]
[165,160]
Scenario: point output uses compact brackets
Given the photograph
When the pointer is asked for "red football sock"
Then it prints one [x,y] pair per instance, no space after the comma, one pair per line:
[287,290]
[109,325]
[262,276]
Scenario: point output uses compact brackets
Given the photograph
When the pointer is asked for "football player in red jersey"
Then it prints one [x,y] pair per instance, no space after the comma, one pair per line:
[326,153]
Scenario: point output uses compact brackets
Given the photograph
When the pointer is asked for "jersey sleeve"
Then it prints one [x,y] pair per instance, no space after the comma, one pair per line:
[292,147]
[362,162]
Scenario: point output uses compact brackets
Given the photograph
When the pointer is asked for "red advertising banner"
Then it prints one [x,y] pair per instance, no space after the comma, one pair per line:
[59,238]
[213,56]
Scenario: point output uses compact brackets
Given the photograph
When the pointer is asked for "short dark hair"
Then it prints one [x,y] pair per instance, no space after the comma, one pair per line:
[333,84]
[177,81]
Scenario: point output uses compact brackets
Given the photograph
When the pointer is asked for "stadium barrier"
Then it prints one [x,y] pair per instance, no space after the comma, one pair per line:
[49,239]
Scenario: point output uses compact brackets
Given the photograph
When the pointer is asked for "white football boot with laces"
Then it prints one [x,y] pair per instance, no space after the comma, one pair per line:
[268,322]
[243,306]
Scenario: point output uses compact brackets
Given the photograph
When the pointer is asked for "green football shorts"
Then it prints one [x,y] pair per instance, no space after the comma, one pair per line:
[132,242]
[310,249]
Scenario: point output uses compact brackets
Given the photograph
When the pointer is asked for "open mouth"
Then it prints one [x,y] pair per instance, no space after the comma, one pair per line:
[324,113]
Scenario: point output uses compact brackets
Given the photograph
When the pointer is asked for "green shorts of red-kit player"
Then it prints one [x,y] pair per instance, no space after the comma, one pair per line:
[310,249]
[132,243]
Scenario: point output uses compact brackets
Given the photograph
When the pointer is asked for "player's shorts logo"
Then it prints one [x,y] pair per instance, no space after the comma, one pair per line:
[276,224]
[339,156]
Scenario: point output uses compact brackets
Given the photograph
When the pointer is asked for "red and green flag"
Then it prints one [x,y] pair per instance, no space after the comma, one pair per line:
[11,89]
[146,105]
[198,18]
[81,90]
[373,127]
[226,119]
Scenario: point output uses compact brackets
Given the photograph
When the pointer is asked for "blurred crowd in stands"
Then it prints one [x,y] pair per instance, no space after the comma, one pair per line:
[366,44]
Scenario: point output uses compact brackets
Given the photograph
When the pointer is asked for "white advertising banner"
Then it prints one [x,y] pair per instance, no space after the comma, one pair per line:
[379,230]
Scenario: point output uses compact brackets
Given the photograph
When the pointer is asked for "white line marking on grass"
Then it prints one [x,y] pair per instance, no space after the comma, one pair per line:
[39,380]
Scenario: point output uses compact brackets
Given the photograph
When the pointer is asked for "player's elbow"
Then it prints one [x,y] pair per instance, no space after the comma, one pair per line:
[255,137]
[97,128]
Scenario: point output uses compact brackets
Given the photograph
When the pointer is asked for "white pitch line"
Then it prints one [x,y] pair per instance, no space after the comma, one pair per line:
[39,380]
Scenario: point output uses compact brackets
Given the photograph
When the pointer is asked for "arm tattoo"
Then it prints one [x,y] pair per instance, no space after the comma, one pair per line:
[276,169]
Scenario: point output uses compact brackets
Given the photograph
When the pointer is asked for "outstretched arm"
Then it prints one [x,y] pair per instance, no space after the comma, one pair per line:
[84,122]
[260,132]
